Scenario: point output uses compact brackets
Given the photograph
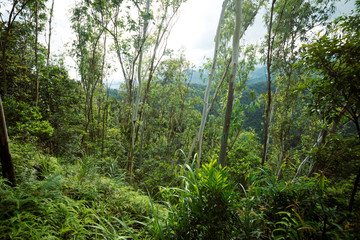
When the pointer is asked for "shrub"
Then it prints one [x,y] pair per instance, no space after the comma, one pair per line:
[204,206]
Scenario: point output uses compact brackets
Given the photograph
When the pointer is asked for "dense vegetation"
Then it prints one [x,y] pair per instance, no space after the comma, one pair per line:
[82,161]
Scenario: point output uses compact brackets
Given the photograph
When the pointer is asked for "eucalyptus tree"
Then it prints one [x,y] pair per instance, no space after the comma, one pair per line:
[289,23]
[90,53]
[222,38]
[51,14]
[199,136]
[37,10]
[139,30]
[243,19]
[230,99]
[302,17]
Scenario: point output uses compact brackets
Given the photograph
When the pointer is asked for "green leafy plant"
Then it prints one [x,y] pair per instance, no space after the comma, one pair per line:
[26,121]
[203,207]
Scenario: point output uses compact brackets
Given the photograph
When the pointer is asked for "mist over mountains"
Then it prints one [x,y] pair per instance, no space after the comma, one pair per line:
[196,77]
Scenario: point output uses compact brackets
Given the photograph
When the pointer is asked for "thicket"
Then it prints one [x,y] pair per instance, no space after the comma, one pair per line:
[58,200]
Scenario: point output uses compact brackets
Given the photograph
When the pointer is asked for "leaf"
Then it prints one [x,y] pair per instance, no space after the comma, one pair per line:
[252,95]
[280,229]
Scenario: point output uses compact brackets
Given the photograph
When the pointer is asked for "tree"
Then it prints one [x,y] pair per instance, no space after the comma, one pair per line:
[288,22]
[199,135]
[140,42]
[49,36]
[90,55]
[334,88]
[5,154]
[222,38]
[17,7]
[230,99]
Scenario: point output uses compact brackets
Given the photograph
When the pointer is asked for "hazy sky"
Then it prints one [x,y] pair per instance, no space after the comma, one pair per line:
[194,30]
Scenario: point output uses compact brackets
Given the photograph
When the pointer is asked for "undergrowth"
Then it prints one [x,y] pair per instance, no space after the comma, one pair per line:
[60,199]
[57,200]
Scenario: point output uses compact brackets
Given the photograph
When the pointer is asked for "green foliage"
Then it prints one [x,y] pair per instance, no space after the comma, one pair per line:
[339,159]
[244,157]
[82,193]
[254,119]
[203,207]
[309,208]
[61,201]
[60,104]
[155,173]
[334,59]
[26,121]
[38,210]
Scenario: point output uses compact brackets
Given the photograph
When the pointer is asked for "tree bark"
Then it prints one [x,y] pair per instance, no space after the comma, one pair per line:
[267,111]
[209,108]
[49,38]
[207,91]
[230,99]
[36,54]
[5,154]
[135,107]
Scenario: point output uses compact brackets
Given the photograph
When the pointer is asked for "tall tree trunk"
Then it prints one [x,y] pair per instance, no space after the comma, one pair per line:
[211,76]
[230,99]
[269,58]
[49,37]
[36,54]
[5,154]
[197,137]
[209,108]
[3,62]
[135,109]
[269,61]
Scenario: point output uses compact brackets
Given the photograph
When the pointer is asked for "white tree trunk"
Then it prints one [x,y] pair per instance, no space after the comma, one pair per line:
[200,133]
[234,66]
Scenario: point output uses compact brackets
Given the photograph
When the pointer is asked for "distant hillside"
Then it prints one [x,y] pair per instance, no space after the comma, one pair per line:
[259,75]
[196,78]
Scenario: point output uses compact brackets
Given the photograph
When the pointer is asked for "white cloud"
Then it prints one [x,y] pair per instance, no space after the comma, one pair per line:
[196,28]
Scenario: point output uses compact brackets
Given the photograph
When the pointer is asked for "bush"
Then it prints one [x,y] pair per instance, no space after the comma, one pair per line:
[204,206]
[25,121]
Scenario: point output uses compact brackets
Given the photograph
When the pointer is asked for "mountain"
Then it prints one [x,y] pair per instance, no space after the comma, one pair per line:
[196,77]
[259,75]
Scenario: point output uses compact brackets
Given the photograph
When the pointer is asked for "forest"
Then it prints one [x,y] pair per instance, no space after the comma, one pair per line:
[262,141]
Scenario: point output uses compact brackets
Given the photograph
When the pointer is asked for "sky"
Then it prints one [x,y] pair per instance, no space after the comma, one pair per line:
[194,30]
